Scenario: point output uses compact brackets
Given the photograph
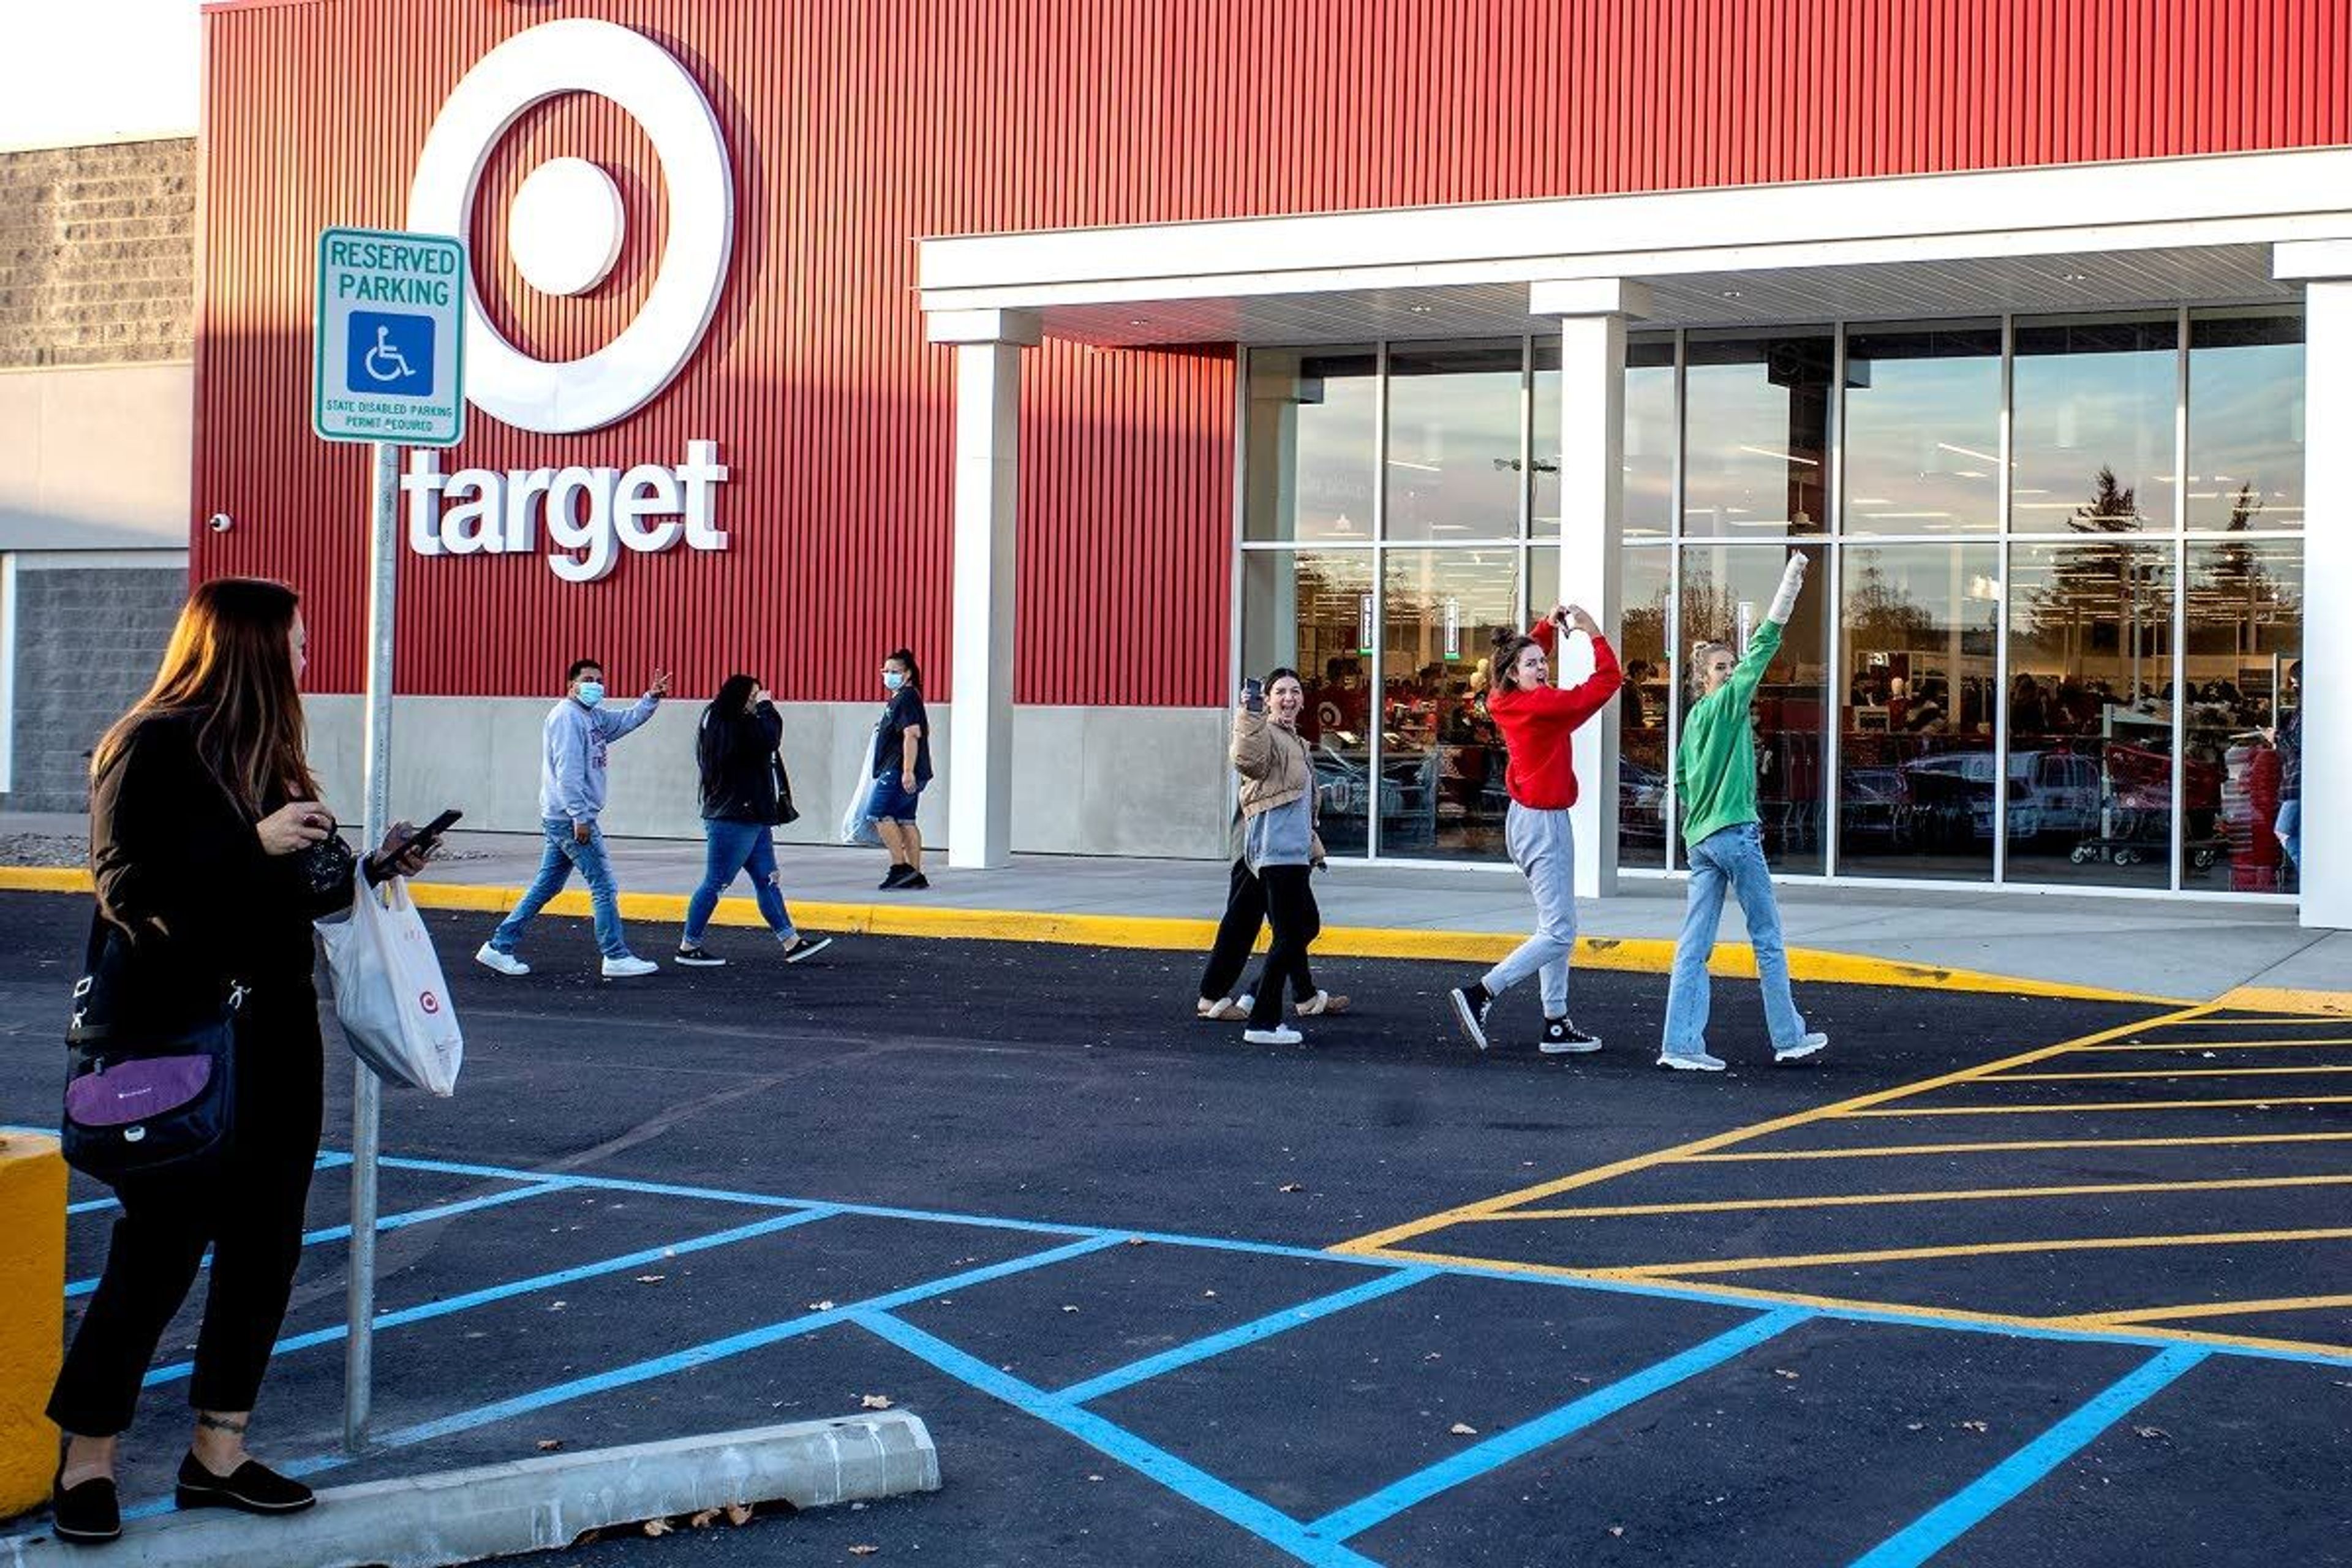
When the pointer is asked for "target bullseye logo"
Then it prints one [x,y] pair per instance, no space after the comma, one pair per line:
[567,225]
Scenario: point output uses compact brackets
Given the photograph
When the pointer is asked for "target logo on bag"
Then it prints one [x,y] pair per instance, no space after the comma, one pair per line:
[429,1002]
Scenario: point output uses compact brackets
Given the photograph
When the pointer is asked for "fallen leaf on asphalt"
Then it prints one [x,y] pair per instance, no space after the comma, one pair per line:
[737,1514]
[1069,1308]
[2153,1433]
[1464,1429]
[1208,1295]
[549,1444]
[1616,1530]
[1784,1372]
[705,1519]
[1291,1187]
[1976,1425]
[863,1551]
[820,1306]
[1137,1241]
[657,1527]
[1915,1426]
[557,1306]
[874,1401]
[1094,1478]
[651,1278]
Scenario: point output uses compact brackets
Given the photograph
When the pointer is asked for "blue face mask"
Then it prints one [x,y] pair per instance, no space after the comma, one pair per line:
[892,680]
[592,692]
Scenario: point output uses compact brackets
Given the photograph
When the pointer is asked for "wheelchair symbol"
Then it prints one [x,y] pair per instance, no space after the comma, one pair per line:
[388,356]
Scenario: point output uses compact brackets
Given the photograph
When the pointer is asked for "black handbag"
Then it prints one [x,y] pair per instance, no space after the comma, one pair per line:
[144,1102]
[785,810]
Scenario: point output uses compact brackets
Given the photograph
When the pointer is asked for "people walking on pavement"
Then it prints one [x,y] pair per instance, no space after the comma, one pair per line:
[2288,737]
[572,781]
[745,795]
[1279,845]
[1538,719]
[210,859]
[1245,913]
[902,767]
[1714,778]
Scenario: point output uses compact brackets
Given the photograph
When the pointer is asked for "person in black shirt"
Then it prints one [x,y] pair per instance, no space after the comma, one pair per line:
[736,749]
[202,806]
[902,766]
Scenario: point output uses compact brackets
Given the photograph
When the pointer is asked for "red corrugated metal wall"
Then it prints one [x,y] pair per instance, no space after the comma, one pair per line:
[857,126]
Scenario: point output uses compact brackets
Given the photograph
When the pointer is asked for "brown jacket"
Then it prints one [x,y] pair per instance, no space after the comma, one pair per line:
[1275,767]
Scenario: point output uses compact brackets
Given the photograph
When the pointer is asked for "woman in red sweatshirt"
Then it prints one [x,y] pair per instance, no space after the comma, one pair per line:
[1537,719]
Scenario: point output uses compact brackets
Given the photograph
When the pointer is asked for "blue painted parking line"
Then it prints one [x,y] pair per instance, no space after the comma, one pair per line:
[705,1354]
[1264,1328]
[390,1222]
[1188,1481]
[1527,1437]
[602,1183]
[1969,1506]
[641,1258]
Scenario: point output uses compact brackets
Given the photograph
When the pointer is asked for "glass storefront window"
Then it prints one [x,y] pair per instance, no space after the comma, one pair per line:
[2245,630]
[2092,427]
[1649,438]
[1314,423]
[2090,714]
[1312,610]
[1756,434]
[1456,453]
[1922,429]
[2245,419]
[1917,724]
[1442,793]
[1645,592]
[1725,590]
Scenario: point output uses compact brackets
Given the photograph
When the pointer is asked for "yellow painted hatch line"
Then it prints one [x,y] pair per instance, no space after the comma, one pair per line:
[1379,1240]
[1908,1312]
[2275,999]
[1641,956]
[2274,1100]
[2222,1045]
[2133,1316]
[1668,1271]
[1963,1195]
[2162,1072]
[2015,1145]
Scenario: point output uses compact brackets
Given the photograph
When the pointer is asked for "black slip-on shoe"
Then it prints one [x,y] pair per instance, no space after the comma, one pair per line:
[87,1513]
[252,1487]
[805,948]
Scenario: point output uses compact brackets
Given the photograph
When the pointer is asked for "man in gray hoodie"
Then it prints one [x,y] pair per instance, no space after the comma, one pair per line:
[570,797]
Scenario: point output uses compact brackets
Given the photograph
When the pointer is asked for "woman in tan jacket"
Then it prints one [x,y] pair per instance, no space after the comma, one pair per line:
[1279,851]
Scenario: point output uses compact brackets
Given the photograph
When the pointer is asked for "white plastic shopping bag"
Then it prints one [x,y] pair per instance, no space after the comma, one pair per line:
[389,993]
[856,827]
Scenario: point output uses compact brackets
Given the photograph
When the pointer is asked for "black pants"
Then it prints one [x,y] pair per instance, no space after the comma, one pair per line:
[1290,906]
[249,1212]
[1237,933]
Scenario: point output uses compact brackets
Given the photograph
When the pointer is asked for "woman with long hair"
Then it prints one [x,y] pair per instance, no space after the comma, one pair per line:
[203,806]
[736,750]
[1538,719]
[1715,779]
[902,766]
[1279,849]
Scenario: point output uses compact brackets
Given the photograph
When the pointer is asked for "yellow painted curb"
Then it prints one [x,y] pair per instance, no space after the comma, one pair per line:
[2272,999]
[32,1313]
[1640,956]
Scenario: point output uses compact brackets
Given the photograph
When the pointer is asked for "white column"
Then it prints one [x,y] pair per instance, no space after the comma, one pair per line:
[1592,313]
[988,345]
[2326,870]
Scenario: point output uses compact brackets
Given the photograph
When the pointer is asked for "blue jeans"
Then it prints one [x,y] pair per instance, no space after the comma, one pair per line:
[2289,828]
[729,848]
[1731,859]
[891,800]
[564,852]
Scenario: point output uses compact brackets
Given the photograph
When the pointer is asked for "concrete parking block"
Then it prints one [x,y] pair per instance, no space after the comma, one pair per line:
[534,1505]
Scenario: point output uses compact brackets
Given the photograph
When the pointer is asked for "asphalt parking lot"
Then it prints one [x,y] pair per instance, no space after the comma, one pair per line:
[1995,1281]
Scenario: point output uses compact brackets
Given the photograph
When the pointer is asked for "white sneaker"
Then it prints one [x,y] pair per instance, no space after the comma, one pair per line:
[1280,1034]
[1690,1061]
[504,963]
[1811,1046]
[628,967]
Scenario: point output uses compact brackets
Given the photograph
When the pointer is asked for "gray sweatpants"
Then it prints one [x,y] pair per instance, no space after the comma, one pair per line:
[1544,850]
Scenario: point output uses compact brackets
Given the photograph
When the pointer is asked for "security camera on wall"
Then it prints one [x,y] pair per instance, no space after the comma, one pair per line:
[220,522]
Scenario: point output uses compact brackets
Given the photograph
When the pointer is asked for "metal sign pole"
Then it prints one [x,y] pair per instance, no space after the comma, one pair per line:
[383,562]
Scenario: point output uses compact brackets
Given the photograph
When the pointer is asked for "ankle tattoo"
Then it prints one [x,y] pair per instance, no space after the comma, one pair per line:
[211,1423]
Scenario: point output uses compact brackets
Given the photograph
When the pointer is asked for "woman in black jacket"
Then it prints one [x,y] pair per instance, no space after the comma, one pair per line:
[201,809]
[743,789]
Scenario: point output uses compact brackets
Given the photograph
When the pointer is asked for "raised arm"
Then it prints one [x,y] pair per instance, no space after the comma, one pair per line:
[1748,673]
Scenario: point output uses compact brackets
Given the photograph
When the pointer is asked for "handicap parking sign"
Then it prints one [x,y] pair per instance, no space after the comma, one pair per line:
[388,349]
[389,354]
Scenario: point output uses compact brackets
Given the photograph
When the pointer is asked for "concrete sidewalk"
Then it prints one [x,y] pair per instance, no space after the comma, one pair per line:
[2175,949]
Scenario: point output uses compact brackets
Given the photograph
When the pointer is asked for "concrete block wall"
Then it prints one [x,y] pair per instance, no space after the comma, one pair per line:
[98,254]
[87,642]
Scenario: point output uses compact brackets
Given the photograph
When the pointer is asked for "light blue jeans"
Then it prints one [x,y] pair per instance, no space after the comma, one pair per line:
[729,848]
[564,852]
[1729,860]
[2289,828]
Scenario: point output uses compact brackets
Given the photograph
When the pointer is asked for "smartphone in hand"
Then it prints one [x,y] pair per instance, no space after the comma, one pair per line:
[425,840]
[1253,694]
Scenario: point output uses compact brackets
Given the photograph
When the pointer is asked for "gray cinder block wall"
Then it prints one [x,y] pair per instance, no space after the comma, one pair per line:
[87,643]
[98,254]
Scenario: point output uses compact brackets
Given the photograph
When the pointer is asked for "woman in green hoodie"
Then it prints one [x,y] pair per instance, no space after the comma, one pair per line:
[1715,779]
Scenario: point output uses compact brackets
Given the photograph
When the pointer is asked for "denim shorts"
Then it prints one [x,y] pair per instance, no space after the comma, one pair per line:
[891,801]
